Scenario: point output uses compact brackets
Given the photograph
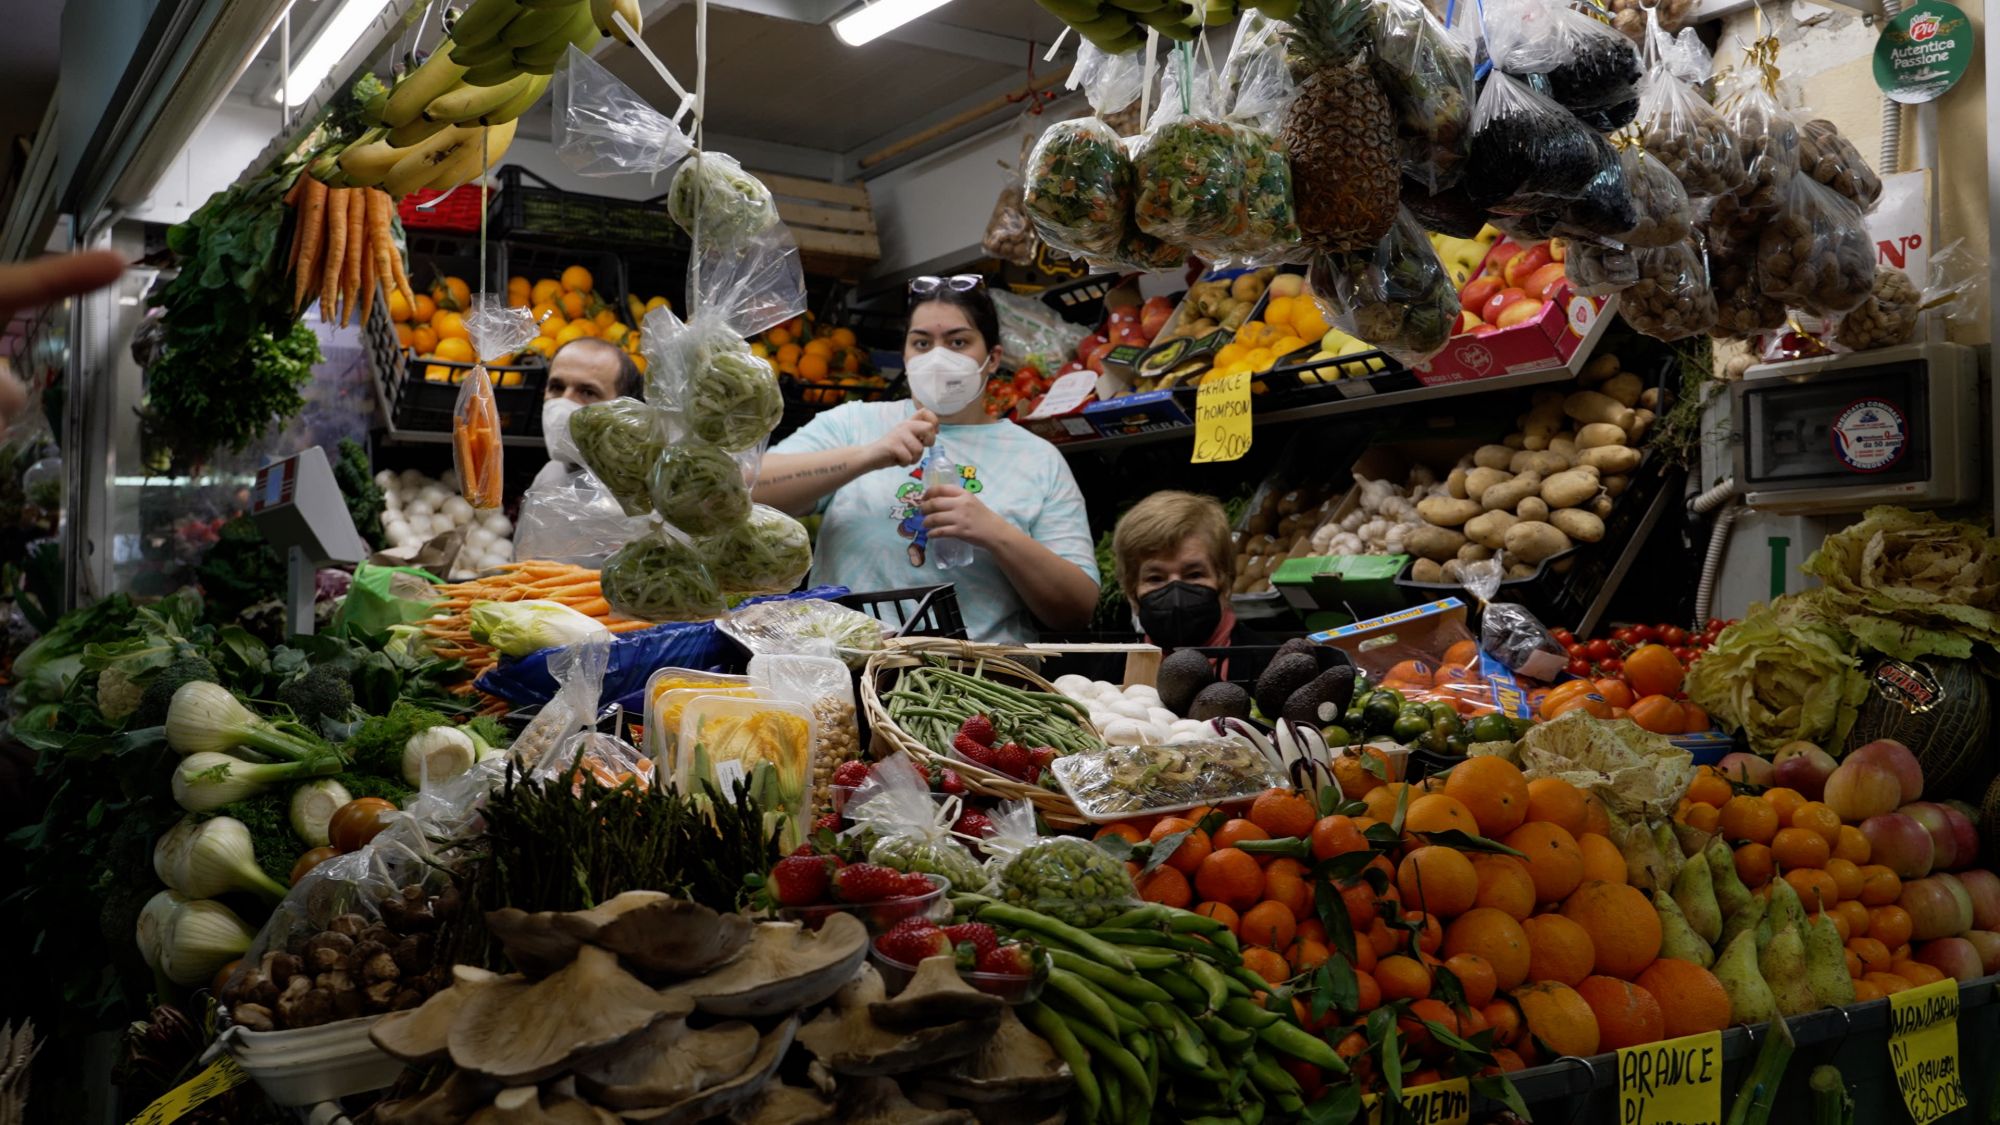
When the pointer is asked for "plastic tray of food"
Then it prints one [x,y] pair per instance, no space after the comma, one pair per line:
[1121,782]
[877,916]
[723,739]
[308,1065]
[663,718]
[896,976]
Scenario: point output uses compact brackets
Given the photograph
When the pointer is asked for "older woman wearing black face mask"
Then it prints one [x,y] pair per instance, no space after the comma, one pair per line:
[1175,563]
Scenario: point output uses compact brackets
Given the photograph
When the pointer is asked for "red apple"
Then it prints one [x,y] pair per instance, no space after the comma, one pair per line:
[1498,302]
[1154,314]
[1520,312]
[1939,907]
[1095,360]
[1859,790]
[1542,283]
[1901,844]
[1898,758]
[1467,321]
[1743,766]
[1988,944]
[1932,817]
[1503,252]
[1967,835]
[1478,291]
[1803,767]
[1089,344]
[1482,330]
[1984,887]
[1522,265]
[1955,957]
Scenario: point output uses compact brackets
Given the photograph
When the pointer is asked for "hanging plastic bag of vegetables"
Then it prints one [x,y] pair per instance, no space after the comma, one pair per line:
[1398,296]
[1590,68]
[700,489]
[661,576]
[1189,181]
[1427,73]
[768,553]
[912,832]
[1079,188]
[620,441]
[1528,153]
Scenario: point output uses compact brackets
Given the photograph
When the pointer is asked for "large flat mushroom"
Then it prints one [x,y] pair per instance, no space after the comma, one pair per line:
[787,967]
[537,943]
[451,1102]
[524,1105]
[879,1101]
[519,1034]
[846,1038]
[780,1104]
[422,1034]
[1015,1064]
[658,933]
[726,1097]
[935,995]
[667,1063]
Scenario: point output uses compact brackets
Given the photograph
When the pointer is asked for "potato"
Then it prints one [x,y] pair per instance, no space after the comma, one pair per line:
[1533,508]
[1490,529]
[1503,497]
[1567,490]
[1641,422]
[1534,442]
[1601,507]
[1454,571]
[1610,458]
[1601,368]
[1578,525]
[1455,484]
[1531,541]
[1544,462]
[1492,456]
[1442,511]
[1565,444]
[1438,543]
[1479,480]
[1616,484]
[1546,417]
[1599,433]
[1519,571]
[1427,571]
[1515,441]
[1625,387]
[1650,399]
[1590,406]
[1474,552]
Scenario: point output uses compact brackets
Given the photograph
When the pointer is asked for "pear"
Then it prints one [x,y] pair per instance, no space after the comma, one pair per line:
[1826,963]
[1645,867]
[1748,918]
[1750,998]
[1730,893]
[1678,939]
[1783,967]
[1785,910]
[1670,849]
[1691,839]
[1694,892]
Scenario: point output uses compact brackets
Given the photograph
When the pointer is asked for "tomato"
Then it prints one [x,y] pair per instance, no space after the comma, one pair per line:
[309,860]
[356,822]
[1683,654]
[1643,634]
[1673,636]
[1579,668]
[1625,636]
[1598,650]
[1716,624]
[1612,667]
[1564,637]
[1575,651]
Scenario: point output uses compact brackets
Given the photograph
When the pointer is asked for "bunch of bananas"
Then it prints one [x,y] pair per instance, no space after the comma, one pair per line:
[453,117]
[1118,26]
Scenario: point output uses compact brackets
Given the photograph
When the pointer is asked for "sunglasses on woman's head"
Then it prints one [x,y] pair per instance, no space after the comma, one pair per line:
[924,287]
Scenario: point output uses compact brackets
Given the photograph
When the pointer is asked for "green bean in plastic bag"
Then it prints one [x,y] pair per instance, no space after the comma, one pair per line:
[699,489]
[732,399]
[713,195]
[619,442]
[660,577]
[766,554]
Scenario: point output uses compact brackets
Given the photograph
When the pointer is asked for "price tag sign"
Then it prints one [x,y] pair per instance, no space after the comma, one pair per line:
[1222,418]
[1678,1081]
[1923,1050]
[221,1077]
[1440,1103]
[1066,394]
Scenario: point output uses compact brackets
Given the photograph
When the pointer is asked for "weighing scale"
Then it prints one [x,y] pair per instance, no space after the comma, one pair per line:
[299,508]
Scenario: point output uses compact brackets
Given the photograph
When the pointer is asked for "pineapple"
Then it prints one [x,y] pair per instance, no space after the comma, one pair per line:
[1341,132]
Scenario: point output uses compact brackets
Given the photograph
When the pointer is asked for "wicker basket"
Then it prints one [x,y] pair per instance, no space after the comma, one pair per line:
[994,662]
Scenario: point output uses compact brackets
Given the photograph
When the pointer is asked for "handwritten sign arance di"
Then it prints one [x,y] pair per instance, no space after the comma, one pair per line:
[1923,1050]
[1677,1082]
[221,1076]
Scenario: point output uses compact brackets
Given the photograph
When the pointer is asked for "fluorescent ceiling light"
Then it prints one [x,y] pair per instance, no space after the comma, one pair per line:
[874,20]
[338,37]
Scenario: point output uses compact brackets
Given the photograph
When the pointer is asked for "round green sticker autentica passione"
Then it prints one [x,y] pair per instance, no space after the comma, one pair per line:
[1923,52]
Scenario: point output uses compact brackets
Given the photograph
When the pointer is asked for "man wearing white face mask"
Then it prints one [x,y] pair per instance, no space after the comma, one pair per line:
[584,371]
[1015,503]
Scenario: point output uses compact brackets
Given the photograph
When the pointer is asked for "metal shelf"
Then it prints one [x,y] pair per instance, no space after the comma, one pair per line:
[433,437]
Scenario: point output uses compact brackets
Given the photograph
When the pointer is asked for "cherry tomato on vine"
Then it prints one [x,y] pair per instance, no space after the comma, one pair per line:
[1612,667]
[1579,668]
[1673,636]
[1563,637]
[1645,634]
[1599,649]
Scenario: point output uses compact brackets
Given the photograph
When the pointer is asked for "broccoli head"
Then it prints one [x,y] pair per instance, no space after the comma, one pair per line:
[185,669]
[323,692]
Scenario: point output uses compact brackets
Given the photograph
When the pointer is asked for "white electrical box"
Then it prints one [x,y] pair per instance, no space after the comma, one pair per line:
[1841,433]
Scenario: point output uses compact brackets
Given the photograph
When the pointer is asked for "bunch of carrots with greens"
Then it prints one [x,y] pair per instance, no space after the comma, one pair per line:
[574,586]
[343,247]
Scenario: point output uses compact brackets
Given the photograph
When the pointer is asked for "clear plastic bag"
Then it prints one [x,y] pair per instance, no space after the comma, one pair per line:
[1685,133]
[1768,138]
[767,553]
[1141,252]
[1832,160]
[1079,187]
[573,520]
[1672,299]
[476,451]
[807,627]
[619,442]
[1118,782]
[1605,207]
[1816,253]
[1009,235]
[716,202]
[1398,296]
[1742,308]
[1665,212]
[602,128]
[1110,82]
[661,576]
[912,831]
[1069,879]
[767,744]
[1528,153]
[1511,633]
[1588,64]
[1272,222]
[1595,269]
[1256,84]
[1427,73]
[566,726]
[1033,333]
[1189,186]
[699,488]
[668,692]
[709,384]
[1890,314]
[748,286]
[826,687]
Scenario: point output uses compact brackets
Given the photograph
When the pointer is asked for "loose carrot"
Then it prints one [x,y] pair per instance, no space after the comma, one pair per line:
[312,231]
[357,242]
[370,262]
[381,240]
[336,252]
[388,206]
[595,608]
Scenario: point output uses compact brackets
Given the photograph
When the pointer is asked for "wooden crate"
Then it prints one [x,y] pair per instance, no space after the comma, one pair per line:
[833,224]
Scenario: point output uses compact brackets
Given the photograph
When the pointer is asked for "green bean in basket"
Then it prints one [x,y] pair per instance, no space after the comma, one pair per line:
[937,705]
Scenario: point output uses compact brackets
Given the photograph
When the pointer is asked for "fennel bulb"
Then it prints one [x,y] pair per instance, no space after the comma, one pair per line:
[154,920]
[202,936]
[217,858]
[206,718]
[206,781]
[437,753]
[313,805]
[170,852]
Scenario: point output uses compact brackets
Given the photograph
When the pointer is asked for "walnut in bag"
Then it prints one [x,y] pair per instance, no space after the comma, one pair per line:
[1595,269]
[1672,299]
[1816,254]
[1742,308]
[1665,213]
[1686,134]
[1768,138]
[1828,157]
[1887,318]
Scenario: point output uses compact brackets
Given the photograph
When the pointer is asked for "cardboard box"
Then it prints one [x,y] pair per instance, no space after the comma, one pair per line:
[1137,414]
[1547,341]
[1380,642]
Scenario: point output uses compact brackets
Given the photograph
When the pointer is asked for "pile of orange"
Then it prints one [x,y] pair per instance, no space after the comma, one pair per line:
[1780,834]
[1648,692]
[1457,680]
[821,355]
[1551,951]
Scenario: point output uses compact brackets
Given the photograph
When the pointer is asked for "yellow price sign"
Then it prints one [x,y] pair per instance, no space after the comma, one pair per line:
[221,1076]
[1438,1103]
[1222,418]
[1677,1082]
[1923,1050]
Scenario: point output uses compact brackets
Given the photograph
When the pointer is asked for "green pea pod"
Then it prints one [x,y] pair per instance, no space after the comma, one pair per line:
[1052,1027]
[1244,1012]
[1151,914]
[1270,1077]
[1083,998]
[1213,983]
[1184,1047]
[1181,986]
[1225,1034]
[1130,986]
[1131,1075]
[1301,1044]
[1020,918]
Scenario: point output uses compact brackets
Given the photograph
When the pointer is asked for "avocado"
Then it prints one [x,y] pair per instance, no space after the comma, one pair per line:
[1296,644]
[1285,675]
[1222,700]
[1183,674]
[1322,701]
[1328,656]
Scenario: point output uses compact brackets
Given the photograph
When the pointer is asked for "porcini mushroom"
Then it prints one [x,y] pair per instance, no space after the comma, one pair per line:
[521,1033]
[667,1063]
[847,1039]
[658,933]
[787,967]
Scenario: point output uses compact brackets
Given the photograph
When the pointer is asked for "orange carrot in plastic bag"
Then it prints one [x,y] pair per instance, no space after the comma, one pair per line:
[475,437]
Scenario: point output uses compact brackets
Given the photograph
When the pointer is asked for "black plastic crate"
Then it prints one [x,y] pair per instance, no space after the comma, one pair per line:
[1349,376]
[419,403]
[920,611]
[1082,302]
[531,208]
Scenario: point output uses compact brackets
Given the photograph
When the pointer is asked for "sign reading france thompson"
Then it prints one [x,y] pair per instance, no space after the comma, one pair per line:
[1923,1050]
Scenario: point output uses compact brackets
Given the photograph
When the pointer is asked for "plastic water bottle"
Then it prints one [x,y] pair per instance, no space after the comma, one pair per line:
[944,551]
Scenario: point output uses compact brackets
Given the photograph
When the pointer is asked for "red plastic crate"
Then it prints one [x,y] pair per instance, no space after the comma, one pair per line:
[460,212]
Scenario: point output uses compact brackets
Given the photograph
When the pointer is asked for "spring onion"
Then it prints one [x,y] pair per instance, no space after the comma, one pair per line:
[206,718]
[207,781]
[215,857]
[437,753]
[313,805]
[202,936]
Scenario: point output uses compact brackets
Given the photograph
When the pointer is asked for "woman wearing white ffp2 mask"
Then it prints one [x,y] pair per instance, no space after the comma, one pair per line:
[1014,501]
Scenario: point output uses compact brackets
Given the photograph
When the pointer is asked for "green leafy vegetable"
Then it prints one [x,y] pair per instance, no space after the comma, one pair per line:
[766,554]
[239,570]
[356,479]
[619,442]
[1786,672]
[376,746]
[268,817]
[1191,183]
[519,628]
[699,489]
[1911,584]
[659,578]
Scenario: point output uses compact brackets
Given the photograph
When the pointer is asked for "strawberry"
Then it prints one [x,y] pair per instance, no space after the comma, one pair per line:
[979,729]
[850,774]
[950,783]
[867,882]
[800,880]
[915,883]
[1008,960]
[829,821]
[975,752]
[1013,761]
[1044,756]
[975,824]
[913,939]
[977,934]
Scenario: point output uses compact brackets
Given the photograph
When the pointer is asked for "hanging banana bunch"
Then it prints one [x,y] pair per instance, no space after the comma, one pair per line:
[452,118]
